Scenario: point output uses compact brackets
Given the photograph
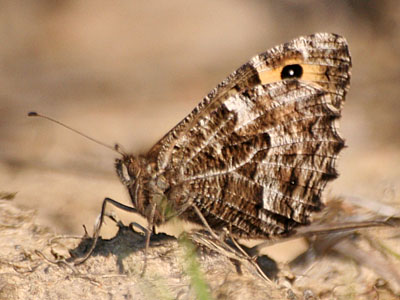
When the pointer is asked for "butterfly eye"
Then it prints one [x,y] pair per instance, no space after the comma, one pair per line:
[292,71]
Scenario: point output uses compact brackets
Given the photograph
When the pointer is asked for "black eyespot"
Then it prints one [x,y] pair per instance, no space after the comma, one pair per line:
[292,71]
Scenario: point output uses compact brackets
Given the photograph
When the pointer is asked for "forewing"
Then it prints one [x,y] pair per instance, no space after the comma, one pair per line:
[257,152]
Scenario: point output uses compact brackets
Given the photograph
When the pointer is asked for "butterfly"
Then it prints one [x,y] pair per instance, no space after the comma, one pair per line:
[256,153]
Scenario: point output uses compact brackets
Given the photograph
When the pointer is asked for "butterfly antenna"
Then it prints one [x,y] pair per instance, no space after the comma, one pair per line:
[116,147]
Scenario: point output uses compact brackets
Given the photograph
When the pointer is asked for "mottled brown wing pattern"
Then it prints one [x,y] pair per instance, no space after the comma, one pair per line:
[257,152]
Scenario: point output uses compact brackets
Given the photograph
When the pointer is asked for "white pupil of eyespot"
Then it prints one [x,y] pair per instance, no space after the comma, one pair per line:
[291,72]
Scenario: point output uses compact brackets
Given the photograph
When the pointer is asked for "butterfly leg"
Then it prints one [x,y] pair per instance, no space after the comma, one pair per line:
[221,237]
[205,223]
[99,223]
[148,235]
[232,245]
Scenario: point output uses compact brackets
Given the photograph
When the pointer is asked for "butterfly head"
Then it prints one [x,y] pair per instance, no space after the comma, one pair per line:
[128,169]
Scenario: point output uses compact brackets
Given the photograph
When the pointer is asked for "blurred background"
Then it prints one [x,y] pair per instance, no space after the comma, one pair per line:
[128,71]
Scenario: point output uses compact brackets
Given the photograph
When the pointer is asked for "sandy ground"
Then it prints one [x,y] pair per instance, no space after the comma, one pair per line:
[128,72]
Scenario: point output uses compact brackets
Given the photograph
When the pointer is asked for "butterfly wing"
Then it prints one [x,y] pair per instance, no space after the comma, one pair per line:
[257,152]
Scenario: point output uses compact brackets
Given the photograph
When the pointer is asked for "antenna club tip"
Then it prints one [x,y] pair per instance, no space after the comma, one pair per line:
[33,114]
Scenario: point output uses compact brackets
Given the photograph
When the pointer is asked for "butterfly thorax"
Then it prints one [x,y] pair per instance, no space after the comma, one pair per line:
[146,188]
